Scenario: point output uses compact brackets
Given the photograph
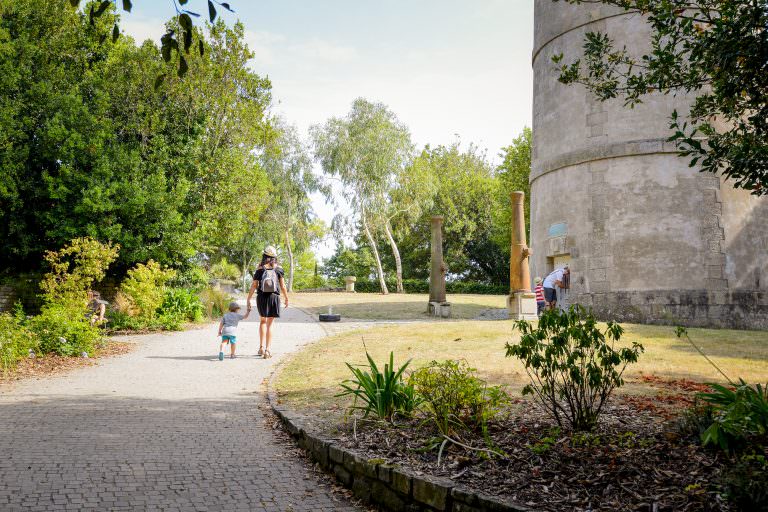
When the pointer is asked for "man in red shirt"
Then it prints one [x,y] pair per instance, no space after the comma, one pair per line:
[540,302]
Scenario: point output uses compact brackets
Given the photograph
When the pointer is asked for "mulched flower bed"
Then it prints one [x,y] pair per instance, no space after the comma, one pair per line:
[635,460]
[52,364]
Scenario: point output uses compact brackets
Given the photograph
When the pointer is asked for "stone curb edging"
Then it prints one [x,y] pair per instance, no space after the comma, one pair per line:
[375,481]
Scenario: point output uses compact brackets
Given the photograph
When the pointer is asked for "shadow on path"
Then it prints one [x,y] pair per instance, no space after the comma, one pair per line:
[108,453]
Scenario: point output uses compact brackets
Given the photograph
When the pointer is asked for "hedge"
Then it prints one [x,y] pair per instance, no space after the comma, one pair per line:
[421,286]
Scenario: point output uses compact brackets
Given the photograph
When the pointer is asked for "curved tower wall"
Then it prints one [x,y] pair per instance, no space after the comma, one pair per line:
[647,238]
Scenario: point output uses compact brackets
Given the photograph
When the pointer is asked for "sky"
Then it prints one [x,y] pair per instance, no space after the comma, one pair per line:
[449,69]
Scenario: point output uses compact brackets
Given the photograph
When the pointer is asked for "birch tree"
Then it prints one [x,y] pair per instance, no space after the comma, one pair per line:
[412,193]
[365,150]
[289,166]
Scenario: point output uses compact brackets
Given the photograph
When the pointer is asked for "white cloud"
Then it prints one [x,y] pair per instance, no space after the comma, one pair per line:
[273,49]
[142,29]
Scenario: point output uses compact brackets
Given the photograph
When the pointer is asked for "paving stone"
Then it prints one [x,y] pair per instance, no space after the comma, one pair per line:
[167,427]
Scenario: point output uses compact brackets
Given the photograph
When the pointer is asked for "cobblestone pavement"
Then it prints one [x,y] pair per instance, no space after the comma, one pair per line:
[167,427]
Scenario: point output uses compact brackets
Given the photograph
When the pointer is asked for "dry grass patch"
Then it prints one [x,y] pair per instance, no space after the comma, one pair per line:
[311,378]
[374,306]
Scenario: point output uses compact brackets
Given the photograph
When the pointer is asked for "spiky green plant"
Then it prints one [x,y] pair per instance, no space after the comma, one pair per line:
[383,393]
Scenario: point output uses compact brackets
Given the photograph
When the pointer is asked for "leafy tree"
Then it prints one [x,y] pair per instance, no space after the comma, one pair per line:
[467,192]
[514,174]
[100,152]
[170,41]
[224,111]
[307,272]
[364,150]
[289,167]
[410,195]
[349,262]
[714,48]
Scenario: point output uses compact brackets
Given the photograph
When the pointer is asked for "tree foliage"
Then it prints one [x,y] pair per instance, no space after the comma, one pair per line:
[467,196]
[172,41]
[514,174]
[714,48]
[289,216]
[90,147]
[364,150]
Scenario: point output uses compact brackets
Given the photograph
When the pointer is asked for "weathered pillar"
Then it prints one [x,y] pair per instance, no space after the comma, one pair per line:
[521,302]
[437,303]
[350,282]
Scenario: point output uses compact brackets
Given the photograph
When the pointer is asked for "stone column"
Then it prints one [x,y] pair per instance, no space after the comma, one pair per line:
[437,304]
[350,282]
[521,302]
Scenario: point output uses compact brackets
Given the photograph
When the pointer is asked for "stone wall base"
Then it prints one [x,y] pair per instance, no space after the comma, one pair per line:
[690,308]
[522,306]
[375,481]
[7,298]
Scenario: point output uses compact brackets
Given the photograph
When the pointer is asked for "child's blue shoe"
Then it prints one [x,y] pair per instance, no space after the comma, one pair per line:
[221,356]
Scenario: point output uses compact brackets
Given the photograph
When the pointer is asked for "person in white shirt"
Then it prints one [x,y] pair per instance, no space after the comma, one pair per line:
[555,279]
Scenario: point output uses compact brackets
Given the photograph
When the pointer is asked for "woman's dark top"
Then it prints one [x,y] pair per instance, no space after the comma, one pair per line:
[268,303]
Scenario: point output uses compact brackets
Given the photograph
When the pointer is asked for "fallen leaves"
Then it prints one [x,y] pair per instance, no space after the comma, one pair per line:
[52,364]
[629,463]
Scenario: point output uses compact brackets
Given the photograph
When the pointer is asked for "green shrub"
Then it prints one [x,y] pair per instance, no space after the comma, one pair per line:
[122,321]
[573,365]
[382,393]
[74,269]
[64,331]
[215,302]
[746,483]
[223,269]
[740,415]
[145,288]
[15,339]
[194,278]
[183,304]
[455,398]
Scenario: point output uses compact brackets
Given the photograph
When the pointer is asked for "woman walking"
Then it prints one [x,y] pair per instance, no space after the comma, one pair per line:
[268,283]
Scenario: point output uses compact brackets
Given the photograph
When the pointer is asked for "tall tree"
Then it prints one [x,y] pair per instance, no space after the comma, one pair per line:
[467,192]
[411,194]
[89,140]
[289,166]
[364,150]
[224,106]
[176,40]
[514,174]
[715,48]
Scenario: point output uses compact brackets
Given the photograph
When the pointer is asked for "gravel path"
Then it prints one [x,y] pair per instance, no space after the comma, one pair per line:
[166,427]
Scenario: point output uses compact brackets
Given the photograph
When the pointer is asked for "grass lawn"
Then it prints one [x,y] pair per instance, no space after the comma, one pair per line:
[374,306]
[310,378]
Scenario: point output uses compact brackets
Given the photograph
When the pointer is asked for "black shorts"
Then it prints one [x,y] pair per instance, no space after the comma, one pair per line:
[550,294]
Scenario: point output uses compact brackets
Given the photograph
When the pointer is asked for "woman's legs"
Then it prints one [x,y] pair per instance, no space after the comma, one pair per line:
[262,332]
[269,332]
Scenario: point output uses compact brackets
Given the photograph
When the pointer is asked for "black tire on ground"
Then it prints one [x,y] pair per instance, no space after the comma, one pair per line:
[325,317]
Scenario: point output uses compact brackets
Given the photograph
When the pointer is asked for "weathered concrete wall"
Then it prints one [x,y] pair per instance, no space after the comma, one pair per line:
[649,238]
[7,296]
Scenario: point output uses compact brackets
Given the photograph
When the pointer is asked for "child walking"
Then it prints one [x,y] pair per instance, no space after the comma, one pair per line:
[540,302]
[228,329]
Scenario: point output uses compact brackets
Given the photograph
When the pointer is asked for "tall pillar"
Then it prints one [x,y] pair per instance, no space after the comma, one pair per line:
[519,273]
[521,302]
[437,304]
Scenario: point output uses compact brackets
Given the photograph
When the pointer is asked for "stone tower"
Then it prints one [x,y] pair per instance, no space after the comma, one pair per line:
[647,238]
